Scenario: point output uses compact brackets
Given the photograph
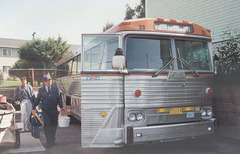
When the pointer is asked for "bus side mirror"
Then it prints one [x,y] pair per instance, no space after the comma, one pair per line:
[216,63]
[118,61]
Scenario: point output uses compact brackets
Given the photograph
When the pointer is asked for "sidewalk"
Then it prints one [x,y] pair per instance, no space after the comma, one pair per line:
[28,144]
[68,140]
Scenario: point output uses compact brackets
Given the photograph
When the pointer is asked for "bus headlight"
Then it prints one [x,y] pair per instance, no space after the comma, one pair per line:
[140,117]
[136,116]
[132,117]
[206,112]
[209,112]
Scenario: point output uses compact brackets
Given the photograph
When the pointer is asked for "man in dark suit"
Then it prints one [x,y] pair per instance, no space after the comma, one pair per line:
[50,98]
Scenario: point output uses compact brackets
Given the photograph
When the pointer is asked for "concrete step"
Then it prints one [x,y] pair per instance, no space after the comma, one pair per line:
[28,145]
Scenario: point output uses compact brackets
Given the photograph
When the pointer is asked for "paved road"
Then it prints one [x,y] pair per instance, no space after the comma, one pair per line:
[68,142]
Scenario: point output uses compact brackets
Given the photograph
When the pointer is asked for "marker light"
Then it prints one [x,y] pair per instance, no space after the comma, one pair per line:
[138,93]
[125,23]
[173,20]
[161,19]
[209,91]
[103,114]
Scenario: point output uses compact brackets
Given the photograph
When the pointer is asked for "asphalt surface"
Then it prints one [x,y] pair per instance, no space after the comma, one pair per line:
[68,141]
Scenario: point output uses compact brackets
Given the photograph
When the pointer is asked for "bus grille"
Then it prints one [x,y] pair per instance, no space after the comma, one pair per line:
[157,91]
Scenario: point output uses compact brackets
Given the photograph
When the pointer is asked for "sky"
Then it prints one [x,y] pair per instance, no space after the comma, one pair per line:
[52,18]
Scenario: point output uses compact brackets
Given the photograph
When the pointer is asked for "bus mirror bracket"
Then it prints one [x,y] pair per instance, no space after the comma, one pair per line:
[216,63]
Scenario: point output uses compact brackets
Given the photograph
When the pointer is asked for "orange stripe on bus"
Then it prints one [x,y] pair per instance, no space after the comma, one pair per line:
[139,74]
[149,74]
[167,74]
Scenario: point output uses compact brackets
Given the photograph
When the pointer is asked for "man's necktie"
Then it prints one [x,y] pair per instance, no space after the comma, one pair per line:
[49,90]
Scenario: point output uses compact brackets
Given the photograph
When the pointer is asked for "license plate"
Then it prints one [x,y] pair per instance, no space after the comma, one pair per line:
[175,111]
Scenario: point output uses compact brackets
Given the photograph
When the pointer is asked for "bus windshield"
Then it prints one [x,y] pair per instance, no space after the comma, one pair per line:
[146,53]
[98,52]
[196,53]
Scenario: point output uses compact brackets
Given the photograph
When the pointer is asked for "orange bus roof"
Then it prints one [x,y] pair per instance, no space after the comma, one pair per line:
[160,25]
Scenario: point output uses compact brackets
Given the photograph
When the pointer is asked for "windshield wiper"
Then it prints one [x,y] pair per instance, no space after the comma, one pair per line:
[165,66]
[187,64]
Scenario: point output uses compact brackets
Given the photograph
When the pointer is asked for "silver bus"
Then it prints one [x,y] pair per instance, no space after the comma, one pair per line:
[143,80]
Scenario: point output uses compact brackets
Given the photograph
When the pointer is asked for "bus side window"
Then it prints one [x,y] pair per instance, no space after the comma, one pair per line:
[74,66]
[68,100]
[79,66]
[61,70]
[69,67]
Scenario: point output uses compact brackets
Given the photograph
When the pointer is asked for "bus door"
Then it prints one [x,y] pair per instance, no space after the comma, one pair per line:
[101,92]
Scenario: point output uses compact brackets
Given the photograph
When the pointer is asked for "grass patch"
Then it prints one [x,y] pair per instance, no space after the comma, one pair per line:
[10,84]
[16,83]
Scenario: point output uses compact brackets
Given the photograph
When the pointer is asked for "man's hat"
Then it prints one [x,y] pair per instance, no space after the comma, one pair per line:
[47,77]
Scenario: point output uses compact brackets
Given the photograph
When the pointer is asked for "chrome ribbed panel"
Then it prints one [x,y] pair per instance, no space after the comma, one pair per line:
[157,92]
[185,92]
[102,90]
[91,122]
[98,93]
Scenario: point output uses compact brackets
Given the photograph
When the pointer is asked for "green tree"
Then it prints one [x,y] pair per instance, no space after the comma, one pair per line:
[39,54]
[130,13]
[229,56]
[107,26]
[44,54]
[138,11]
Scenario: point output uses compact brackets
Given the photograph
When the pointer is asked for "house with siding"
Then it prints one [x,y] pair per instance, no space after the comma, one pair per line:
[9,53]
[216,15]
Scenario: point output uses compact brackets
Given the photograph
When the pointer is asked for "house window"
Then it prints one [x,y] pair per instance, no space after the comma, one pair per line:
[7,52]
[6,69]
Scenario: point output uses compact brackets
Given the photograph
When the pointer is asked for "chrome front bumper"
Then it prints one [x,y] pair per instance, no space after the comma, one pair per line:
[168,132]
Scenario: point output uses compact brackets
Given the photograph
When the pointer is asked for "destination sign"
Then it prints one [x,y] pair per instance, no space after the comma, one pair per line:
[173,27]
